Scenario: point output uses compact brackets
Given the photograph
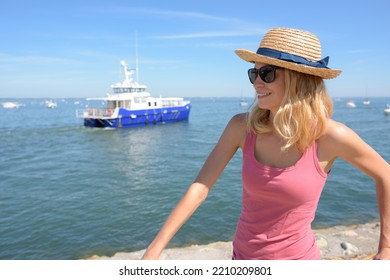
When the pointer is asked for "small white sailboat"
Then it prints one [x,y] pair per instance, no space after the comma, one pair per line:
[50,104]
[243,103]
[350,104]
[366,101]
[387,110]
[11,105]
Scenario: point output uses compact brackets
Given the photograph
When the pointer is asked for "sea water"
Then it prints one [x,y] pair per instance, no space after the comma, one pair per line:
[69,192]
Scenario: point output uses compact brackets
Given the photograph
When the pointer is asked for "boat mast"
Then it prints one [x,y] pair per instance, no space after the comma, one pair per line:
[136,56]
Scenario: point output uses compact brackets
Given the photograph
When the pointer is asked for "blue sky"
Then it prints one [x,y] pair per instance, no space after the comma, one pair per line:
[185,48]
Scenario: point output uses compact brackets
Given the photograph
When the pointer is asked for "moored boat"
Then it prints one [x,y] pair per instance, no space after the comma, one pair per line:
[131,105]
[387,110]
[11,105]
[366,101]
[243,103]
[50,104]
[350,104]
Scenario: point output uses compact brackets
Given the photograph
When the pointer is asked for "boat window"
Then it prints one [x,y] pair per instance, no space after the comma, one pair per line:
[110,104]
[150,104]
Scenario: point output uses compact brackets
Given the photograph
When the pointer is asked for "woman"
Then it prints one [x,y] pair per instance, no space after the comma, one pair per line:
[289,144]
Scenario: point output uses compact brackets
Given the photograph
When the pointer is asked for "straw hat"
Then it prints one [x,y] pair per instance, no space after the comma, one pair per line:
[293,49]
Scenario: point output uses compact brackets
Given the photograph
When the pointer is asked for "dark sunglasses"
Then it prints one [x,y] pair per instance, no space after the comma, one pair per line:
[266,73]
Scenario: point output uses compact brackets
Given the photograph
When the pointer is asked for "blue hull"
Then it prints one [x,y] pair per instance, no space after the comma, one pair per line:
[128,119]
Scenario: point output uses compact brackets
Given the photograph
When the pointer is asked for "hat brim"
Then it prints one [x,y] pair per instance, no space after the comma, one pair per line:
[253,57]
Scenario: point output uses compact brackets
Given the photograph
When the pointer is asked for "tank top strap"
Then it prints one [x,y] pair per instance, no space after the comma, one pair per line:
[249,142]
[311,155]
[311,152]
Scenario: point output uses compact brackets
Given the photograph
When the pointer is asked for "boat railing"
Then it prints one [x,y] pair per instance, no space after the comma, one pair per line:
[174,103]
[95,113]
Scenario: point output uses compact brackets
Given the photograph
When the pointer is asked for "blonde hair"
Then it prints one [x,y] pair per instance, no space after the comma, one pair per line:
[303,113]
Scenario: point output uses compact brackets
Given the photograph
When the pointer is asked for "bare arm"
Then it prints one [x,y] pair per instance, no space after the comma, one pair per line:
[347,145]
[231,139]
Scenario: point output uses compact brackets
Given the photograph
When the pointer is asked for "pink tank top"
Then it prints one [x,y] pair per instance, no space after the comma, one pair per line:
[278,207]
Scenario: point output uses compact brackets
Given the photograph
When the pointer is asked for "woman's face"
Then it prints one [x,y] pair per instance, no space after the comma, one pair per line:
[270,95]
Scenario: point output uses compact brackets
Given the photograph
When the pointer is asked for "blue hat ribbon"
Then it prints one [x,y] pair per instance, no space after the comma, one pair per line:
[323,63]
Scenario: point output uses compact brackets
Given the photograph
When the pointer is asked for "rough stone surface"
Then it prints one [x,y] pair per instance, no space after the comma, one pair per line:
[340,242]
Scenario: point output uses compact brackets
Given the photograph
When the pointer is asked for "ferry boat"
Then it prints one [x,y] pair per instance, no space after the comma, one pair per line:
[131,105]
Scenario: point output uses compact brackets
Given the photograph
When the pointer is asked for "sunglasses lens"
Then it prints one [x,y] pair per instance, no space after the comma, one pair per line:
[266,73]
[252,74]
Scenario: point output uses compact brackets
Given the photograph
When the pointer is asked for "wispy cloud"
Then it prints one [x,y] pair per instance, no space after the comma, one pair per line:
[186,15]
[357,51]
[223,26]
[230,27]
[32,59]
[119,12]
[210,34]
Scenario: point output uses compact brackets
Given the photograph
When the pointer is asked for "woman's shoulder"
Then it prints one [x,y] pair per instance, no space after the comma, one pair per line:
[338,138]
[336,131]
[241,118]
[237,128]
[239,121]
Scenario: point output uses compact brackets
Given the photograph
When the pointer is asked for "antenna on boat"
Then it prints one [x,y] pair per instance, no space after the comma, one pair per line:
[126,72]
